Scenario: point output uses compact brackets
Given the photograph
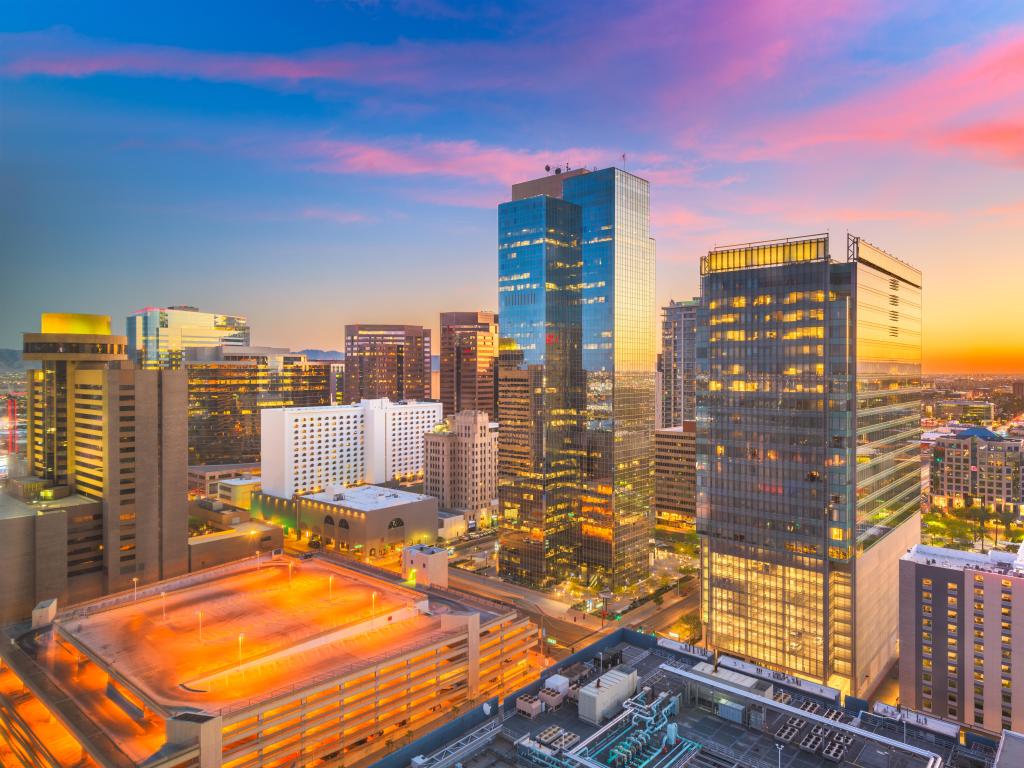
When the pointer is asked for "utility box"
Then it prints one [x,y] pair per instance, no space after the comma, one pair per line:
[604,696]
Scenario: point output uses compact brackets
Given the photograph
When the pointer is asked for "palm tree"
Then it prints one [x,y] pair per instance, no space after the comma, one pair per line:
[1006,516]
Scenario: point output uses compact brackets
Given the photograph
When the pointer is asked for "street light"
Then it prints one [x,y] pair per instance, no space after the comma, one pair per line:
[290,564]
[241,637]
[135,588]
[330,587]
[373,605]
[200,615]
[163,604]
[779,747]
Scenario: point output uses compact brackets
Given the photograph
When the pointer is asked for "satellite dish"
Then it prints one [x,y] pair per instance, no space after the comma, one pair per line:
[547,168]
[487,708]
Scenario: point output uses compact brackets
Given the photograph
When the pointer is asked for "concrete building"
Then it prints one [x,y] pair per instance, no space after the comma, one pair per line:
[675,477]
[961,619]
[469,362]
[425,565]
[161,337]
[228,388]
[966,411]
[461,466]
[103,503]
[374,441]
[237,491]
[808,453]
[976,466]
[204,479]
[389,361]
[238,542]
[678,395]
[286,663]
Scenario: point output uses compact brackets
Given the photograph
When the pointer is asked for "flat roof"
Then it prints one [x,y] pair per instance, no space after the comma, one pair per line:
[11,507]
[237,531]
[242,480]
[367,498]
[205,469]
[1009,563]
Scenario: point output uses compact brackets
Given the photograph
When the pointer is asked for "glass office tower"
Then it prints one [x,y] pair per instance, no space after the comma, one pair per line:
[808,440]
[540,388]
[161,337]
[604,377]
[619,366]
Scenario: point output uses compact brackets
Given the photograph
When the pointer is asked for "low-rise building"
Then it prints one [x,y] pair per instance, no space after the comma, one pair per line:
[961,620]
[204,479]
[242,541]
[967,411]
[275,662]
[426,565]
[975,466]
[237,491]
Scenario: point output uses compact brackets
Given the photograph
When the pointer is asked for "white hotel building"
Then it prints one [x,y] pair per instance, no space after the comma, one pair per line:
[305,450]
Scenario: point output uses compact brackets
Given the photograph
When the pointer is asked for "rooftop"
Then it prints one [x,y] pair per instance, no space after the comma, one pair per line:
[684,712]
[11,507]
[993,560]
[213,468]
[366,498]
[226,639]
[379,404]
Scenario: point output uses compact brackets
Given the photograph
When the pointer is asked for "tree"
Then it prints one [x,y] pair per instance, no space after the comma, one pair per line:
[1006,516]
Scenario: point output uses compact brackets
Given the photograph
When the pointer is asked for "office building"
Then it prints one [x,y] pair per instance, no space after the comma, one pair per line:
[101,501]
[461,466]
[966,411]
[808,453]
[469,362]
[977,467]
[286,662]
[228,388]
[204,479]
[391,361]
[576,296]
[307,450]
[1018,390]
[961,626]
[675,477]
[160,337]
[678,363]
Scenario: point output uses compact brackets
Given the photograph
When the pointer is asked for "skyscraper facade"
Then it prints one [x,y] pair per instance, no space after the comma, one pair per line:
[229,386]
[469,361]
[106,467]
[161,337]
[808,443]
[678,363]
[391,361]
[576,296]
[460,466]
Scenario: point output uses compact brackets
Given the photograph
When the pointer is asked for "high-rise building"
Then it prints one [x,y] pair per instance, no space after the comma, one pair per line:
[576,294]
[1018,389]
[977,466]
[391,361]
[460,466]
[808,453]
[678,363]
[469,362]
[160,337]
[959,631]
[675,477]
[308,450]
[102,502]
[229,386]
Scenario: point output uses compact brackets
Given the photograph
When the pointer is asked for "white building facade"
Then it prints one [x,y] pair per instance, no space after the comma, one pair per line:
[305,450]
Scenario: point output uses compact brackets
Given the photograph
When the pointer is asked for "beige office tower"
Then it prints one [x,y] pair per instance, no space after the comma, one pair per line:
[461,466]
[469,361]
[101,503]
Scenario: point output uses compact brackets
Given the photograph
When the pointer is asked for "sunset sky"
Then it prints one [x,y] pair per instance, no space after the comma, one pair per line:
[310,164]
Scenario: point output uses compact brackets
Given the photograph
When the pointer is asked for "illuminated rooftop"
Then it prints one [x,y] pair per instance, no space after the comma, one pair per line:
[265,631]
[366,498]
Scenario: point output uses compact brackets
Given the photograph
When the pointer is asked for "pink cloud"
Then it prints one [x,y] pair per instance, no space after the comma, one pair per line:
[961,100]
[335,215]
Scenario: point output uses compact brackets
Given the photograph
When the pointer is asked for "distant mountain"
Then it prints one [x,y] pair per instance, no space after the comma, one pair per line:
[323,354]
[10,361]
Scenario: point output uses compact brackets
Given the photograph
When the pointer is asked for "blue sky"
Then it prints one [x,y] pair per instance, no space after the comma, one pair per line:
[311,164]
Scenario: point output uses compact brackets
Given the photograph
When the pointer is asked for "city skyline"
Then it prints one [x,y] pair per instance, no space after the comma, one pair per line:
[195,160]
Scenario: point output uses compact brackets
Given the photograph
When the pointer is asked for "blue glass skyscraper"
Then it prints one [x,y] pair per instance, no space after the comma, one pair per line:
[576,381]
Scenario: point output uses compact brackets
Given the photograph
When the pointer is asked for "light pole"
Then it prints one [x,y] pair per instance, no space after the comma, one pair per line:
[163,604]
[135,588]
[373,605]
[779,747]
[330,587]
[200,615]
[290,564]
[241,637]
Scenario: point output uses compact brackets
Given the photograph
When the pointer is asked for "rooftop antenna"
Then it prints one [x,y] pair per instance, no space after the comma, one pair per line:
[623,161]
